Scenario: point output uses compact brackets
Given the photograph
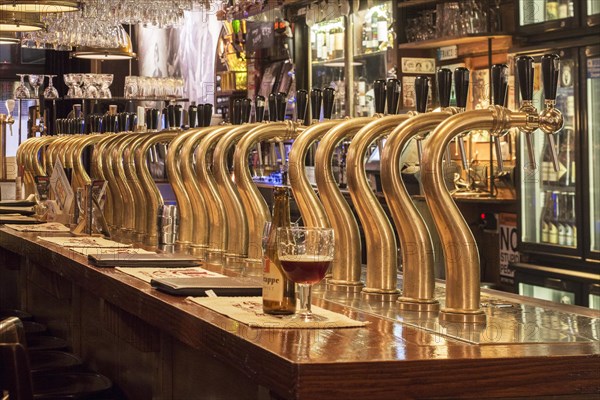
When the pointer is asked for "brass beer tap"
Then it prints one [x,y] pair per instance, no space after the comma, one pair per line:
[415,241]
[459,246]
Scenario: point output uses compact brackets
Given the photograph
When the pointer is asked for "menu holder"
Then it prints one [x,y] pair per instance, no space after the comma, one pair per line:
[123,259]
[198,286]
[17,219]
[16,210]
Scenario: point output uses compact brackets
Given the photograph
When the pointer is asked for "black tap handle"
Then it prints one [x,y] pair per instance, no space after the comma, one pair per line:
[259,105]
[281,99]
[461,86]
[421,93]
[236,112]
[193,116]
[525,76]
[272,107]
[379,93]
[328,98]
[444,86]
[392,91]
[550,69]
[171,115]
[178,115]
[316,100]
[207,114]
[156,114]
[499,84]
[301,104]
[246,108]
[200,122]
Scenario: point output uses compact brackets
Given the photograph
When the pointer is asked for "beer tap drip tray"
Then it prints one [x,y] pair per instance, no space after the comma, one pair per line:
[509,320]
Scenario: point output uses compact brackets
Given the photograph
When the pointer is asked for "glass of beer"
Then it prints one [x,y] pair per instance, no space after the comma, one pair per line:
[305,255]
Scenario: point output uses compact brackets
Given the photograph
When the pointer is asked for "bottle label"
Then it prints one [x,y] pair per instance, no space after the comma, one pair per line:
[339,41]
[382,31]
[569,236]
[273,282]
[545,238]
[562,239]
[553,234]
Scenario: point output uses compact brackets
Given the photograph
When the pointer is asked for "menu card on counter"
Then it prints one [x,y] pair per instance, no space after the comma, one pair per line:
[147,274]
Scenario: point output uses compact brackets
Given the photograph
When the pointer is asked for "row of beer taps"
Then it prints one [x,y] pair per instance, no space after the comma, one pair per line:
[222,212]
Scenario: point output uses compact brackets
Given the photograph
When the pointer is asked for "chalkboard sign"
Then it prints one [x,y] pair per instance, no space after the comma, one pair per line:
[259,35]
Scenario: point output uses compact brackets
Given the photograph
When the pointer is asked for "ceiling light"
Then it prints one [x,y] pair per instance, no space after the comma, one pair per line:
[9,38]
[41,6]
[105,54]
[19,22]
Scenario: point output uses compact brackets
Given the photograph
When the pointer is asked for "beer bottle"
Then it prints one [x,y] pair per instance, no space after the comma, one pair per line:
[553,228]
[546,216]
[279,294]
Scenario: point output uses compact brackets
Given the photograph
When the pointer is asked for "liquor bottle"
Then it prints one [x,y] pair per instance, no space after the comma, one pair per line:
[367,36]
[571,222]
[549,175]
[331,43]
[553,222]
[551,10]
[562,219]
[313,43]
[279,295]
[546,217]
[361,104]
[374,37]
[563,9]
[566,158]
[338,40]
[382,30]
[320,44]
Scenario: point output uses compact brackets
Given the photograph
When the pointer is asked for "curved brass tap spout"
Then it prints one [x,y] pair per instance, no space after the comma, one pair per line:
[187,175]
[415,241]
[346,266]
[155,199]
[217,216]
[382,249]
[312,210]
[256,208]
[97,172]
[131,210]
[80,175]
[237,222]
[139,193]
[105,162]
[459,246]
[28,156]
[184,202]
[52,153]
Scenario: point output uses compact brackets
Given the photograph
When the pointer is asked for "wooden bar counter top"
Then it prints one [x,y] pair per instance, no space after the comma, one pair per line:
[158,346]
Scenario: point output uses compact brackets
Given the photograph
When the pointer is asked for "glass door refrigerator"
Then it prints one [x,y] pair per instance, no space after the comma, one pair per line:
[559,210]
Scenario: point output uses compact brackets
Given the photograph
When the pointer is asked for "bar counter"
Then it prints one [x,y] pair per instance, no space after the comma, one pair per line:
[154,345]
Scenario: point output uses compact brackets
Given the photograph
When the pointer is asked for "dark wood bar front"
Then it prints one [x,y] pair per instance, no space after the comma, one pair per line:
[154,345]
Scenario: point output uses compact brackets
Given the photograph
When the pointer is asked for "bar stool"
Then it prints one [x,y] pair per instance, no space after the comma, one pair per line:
[17,379]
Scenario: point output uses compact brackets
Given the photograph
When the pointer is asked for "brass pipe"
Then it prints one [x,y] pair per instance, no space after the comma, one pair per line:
[79,172]
[131,209]
[97,172]
[458,244]
[237,222]
[107,171]
[139,192]
[184,202]
[188,176]
[254,204]
[381,246]
[217,217]
[346,266]
[312,210]
[155,199]
[415,241]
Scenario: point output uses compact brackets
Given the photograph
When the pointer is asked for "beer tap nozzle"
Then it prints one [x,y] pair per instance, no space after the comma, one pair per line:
[551,119]
[525,76]
[499,92]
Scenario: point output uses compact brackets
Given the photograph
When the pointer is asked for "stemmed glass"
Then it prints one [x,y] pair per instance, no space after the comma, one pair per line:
[106,81]
[89,90]
[21,91]
[50,92]
[305,254]
[36,81]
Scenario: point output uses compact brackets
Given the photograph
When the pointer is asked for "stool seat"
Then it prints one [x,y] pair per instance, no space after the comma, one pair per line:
[37,343]
[70,385]
[53,361]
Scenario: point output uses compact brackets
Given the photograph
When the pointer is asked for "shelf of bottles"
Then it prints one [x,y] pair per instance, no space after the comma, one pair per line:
[542,11]
[549,201]
[373,35]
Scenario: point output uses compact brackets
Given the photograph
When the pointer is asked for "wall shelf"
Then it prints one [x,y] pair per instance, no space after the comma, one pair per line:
[460,40]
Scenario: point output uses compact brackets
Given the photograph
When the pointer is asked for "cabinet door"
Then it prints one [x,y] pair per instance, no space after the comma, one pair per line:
[545,14]
[592,14]
[550,211]
[592,84]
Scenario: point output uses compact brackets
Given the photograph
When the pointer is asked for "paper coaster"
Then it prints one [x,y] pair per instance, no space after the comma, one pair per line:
[88,241]
[147,274]
[47,227]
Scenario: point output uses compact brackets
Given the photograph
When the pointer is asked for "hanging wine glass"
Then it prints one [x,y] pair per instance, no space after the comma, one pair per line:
[21,91]
[36,81]
[50,92]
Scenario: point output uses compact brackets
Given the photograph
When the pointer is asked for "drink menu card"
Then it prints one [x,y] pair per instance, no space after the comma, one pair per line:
[248,310]
[47,227]
[147,274]
[87,241]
